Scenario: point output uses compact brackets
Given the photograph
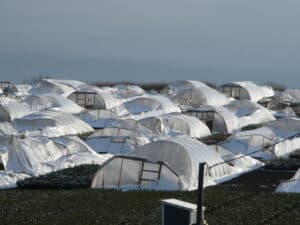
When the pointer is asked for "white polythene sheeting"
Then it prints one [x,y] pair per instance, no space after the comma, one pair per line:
[224,120]
[279,135]
[52,101]
[171,164]
[196,97]
[99,118]
[249,112]
[290,186]
[75,84]
[146,106]
[291,96]
[51,86]
[23,89]
[255,92]
[9,179]
[116,140]
[183,154]
[131,173]
[177,86]
[7,128]
[40,155]
[127,91]
[103,99]
[52,124]
[11,109]
[176,122]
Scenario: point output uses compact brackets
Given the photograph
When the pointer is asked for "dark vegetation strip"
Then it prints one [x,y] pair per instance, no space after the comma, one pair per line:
[84,206]
[77,177]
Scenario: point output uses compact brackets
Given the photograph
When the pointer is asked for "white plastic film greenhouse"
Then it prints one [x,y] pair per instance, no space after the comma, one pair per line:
[182,156]
[52,124]
[116,140]
[45,86]
[146,106]
[99,118]
[218,119]
[248,112]
[94,98]
[127,91]
[176,122]
[11,109]
[52,101]
[39,155]
[246,90]
[276,139]
[198,96]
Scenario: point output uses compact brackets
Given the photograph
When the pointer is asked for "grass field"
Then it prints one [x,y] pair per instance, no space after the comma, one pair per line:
[84,206]
[246,200]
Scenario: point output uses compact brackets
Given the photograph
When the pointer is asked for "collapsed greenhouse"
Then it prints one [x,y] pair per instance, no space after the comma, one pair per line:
[274,140]
[46,86]
[290,186]
[40,155]
[11,109]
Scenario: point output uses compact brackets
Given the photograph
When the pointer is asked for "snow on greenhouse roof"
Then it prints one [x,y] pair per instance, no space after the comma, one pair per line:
[176,122]
[39,155]
[51,101]
[146,106]
[292,185]
[52,124]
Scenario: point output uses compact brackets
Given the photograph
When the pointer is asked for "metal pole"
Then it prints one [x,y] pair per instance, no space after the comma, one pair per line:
[200,215]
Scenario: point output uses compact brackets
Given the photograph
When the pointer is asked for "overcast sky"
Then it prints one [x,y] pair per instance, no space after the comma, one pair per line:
[151,40]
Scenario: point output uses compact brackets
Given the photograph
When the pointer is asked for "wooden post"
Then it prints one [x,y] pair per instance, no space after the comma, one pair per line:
[200,216]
